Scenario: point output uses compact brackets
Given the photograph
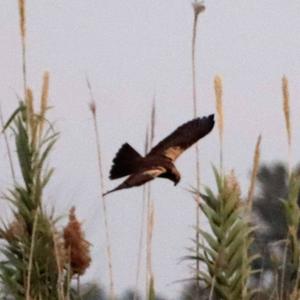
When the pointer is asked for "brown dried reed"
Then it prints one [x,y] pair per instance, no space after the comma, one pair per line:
[256,161]
[76,244]
[220,115]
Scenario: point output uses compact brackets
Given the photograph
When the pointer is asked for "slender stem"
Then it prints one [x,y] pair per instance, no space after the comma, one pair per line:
[102,186]
[104,208]
[212,288]
[32,244]
[7,147]
[195,110]
[141,238]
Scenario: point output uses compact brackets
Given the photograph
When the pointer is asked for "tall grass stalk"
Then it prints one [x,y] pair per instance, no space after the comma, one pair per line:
[150,213]
[150,229]
[256,161]
[142,223]
[286,112]
[93,109]
[220,115]
[198,7]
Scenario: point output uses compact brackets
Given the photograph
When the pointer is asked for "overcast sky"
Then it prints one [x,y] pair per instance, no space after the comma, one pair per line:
[132,50]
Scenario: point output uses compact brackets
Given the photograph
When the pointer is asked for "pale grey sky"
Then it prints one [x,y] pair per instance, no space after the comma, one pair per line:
[132,50]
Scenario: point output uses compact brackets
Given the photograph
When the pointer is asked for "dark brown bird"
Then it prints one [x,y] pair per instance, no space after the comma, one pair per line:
[159,162]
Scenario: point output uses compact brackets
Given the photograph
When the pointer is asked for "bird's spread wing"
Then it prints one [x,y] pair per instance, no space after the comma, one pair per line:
[183,137]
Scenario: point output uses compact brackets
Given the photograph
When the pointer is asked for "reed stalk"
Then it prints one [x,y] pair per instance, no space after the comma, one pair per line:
[102,187]
[198,8]
[287,117]
[150,213]
[142,222]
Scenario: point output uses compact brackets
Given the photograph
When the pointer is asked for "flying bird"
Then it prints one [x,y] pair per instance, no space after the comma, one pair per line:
[159,162]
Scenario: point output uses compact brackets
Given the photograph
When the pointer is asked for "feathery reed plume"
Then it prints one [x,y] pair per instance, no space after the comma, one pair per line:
[22,16]
[220,115]
[286,111]
[78,246]
[15,230]
[232,183]
[30,113]
[8,150]
[44,102]
[198,8]
[93,109]
[256,160]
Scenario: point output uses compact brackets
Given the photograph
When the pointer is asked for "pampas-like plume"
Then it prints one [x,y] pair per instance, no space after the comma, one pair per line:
[256,160]
[220,114]
[16,229]
[286,111]
[44,101]
[30,112]
[22,16]
[232,183]
[77,245]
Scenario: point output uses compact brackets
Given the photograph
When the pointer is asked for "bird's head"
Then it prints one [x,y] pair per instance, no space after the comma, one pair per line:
[176,176]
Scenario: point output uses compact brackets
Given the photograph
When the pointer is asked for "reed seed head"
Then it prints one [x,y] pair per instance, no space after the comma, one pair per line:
[286,107]
[198,7]
[256,161]
[77,245]
[232,183]
[16,229]
[219,104]
[45,94]
[93,107]
[22,15]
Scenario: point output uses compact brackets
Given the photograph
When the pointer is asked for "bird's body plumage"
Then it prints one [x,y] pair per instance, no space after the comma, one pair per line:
[159,162]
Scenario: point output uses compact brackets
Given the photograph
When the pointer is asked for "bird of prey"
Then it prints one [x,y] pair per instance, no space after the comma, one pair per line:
[159,162]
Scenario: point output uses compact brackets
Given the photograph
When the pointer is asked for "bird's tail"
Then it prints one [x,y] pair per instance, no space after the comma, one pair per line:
[125,162]
[119,187]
